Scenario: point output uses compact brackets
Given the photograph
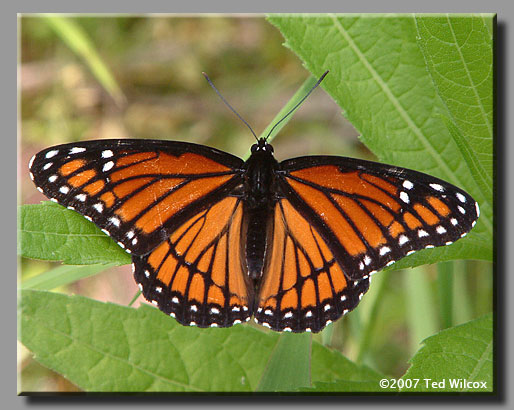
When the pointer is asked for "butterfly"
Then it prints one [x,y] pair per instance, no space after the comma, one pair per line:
[216,240]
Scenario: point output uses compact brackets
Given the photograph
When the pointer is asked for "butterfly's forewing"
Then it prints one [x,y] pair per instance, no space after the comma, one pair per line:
[196,275]
[137,191]
[371,214]
[304,286]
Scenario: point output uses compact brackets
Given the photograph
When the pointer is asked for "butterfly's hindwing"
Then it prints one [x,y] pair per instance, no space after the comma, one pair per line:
[196,275]
[304,286]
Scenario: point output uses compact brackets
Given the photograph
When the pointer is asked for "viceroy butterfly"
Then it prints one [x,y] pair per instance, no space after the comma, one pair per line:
[216,240]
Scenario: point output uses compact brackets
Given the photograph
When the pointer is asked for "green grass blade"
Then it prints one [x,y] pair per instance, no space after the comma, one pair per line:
[288,367]
[62,275]
[77,40]
[445,273]
[420,306]
[302,91]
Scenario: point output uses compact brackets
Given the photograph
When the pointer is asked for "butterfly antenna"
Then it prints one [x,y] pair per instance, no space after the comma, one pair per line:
[228,105]
[297,105]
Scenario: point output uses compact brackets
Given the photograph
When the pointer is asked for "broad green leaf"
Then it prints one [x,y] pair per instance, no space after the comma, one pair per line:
[77,40]
[337,369]
[106,347]
[461,353]
[51,232]
[458,50]
[379,77]
[62,275]
[289,365]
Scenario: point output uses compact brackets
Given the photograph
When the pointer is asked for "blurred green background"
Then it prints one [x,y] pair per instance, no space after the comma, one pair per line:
[141,77]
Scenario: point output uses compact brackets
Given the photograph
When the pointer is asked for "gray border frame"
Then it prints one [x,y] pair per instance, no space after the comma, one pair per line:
[504,150]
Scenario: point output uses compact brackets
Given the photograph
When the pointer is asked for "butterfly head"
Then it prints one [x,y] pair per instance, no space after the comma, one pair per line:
[262,147]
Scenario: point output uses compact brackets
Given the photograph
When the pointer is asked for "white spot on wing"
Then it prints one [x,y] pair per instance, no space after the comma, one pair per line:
[402,240]
[130,234]
[107,166]
[193,308]
[440,229]
[327,307]
[52,178]
[107,153]
[51,154]
[308,314]
[77,150]
[99,207]
[460,197]
[147,274]
[288,315]
[437,187]
[48,165]
[477,209]
[461,210]
[81,197]
[407,184]
[215,310]
[115,221]
[454,221]
[158,289]
[174,299]
[64,189]
[404,197]
[31,161]
[367,260]
[422,233]
[384,250]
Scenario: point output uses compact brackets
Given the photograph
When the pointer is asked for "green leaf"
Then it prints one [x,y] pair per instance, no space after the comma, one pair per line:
[106,347]
[459,55]
[379,77]
[77,40]
[341,374]
[460,353]
[62,275]
[289,366]
[51,232]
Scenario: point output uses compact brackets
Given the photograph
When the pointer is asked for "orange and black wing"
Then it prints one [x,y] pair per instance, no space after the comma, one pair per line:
[304,286]
[136,191]
[196,275]
[371,215]
[171,205]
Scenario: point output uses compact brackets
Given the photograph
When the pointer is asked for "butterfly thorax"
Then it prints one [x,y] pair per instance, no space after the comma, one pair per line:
[259,202]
